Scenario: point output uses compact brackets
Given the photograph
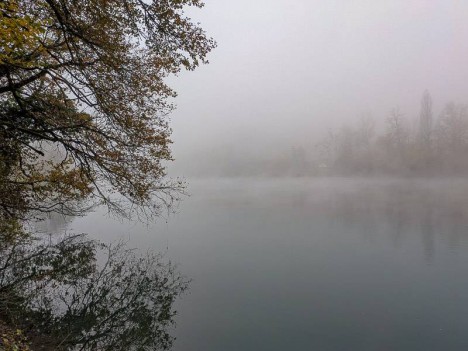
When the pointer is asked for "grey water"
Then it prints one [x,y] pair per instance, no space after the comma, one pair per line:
[314,264]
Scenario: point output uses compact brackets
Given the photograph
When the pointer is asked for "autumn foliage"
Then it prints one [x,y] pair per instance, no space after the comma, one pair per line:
[83,121]
[83,101]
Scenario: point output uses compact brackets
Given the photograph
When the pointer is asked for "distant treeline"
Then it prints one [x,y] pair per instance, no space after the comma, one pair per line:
[434,146]
[428,144]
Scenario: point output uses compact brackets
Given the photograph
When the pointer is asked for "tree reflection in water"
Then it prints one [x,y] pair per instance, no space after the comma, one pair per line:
[79,294]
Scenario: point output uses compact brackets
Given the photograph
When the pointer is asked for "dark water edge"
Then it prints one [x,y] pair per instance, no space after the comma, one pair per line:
[316,264]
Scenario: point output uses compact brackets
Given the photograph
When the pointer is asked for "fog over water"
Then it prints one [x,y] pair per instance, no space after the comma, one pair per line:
[285,72]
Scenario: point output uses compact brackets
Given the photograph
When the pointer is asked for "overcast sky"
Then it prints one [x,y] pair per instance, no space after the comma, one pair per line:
[285,69]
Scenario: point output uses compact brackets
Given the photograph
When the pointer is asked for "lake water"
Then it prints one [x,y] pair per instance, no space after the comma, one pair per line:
[314,264]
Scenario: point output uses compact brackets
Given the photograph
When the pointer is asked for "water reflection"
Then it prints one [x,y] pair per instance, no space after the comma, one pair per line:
[431,210]
[53,223]
[324,264]
[62,291]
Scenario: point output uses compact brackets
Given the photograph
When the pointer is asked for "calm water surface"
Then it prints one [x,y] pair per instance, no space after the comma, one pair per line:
[324,264]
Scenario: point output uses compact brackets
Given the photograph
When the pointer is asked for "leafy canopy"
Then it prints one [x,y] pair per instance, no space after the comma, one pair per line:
[83,100]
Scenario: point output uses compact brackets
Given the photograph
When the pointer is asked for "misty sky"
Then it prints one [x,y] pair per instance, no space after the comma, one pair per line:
[284,71]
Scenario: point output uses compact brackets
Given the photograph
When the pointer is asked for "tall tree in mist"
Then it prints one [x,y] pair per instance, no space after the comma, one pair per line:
[425,128]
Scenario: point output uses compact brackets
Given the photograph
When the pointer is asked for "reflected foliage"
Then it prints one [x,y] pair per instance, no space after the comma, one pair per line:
[78,294]
[436,211]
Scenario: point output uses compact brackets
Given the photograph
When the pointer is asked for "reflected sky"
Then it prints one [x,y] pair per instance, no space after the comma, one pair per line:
[325,264]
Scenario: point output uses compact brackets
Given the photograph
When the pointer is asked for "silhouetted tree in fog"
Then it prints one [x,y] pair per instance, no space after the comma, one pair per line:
[451,137]
[425,130]
[395,142]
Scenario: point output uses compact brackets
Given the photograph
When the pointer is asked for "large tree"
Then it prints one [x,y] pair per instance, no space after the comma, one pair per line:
[83,100]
